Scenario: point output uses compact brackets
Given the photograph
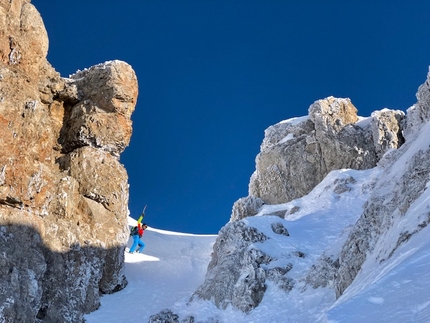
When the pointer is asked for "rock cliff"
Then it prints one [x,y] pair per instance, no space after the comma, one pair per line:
[63,191]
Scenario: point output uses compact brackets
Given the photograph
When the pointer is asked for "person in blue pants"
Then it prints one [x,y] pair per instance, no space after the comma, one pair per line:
[137,234]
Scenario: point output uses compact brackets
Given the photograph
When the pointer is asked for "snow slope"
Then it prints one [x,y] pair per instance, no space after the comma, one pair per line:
[171,268]
[397,291]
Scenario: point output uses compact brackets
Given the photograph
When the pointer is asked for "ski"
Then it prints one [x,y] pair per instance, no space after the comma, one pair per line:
[142,215]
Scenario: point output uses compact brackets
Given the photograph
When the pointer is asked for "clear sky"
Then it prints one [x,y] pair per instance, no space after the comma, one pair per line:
[213,75]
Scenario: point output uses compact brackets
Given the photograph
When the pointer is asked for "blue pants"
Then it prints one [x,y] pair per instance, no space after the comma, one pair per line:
[136,242]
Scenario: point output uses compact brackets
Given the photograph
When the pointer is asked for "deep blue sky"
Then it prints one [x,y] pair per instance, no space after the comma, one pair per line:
[213,75]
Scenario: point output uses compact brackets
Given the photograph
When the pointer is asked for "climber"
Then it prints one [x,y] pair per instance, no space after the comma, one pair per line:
[137,234]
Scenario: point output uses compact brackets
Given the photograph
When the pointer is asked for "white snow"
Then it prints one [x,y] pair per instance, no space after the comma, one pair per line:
[170,269]
[395,290]
[364,122]
[295,121]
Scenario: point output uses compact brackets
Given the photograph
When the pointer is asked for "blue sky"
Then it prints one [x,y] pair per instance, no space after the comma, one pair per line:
[213,75]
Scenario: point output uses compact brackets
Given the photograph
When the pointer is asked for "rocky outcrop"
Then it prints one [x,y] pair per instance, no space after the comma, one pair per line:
[167,316]
[377,211]
[103,99]
[402,183]
[239,271]
[419,114]
[24,40]
[298,153]
[235,276]
[246,206]
[387,128]
[63,191]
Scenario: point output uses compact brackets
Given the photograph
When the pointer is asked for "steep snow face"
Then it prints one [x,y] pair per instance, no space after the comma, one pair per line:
[397,210]
[396,290]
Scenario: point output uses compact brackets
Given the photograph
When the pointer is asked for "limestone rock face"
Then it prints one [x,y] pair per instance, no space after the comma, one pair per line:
[23,37]
[298,153]
[63,191]
[385,207]
[387,127]
[391,209]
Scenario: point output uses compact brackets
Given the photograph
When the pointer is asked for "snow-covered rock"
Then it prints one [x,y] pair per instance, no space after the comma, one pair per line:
[235,274]
[246,206]
[271,254]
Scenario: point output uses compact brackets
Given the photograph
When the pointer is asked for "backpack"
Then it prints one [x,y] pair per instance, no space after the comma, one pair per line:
[133,230]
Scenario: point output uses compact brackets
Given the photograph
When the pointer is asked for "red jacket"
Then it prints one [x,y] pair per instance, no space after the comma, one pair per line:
[140,230]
